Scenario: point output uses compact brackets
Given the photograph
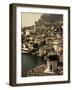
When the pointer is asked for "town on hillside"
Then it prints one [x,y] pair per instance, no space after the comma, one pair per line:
[44,39]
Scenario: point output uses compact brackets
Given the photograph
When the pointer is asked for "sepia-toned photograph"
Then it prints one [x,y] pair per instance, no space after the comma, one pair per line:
[41,44]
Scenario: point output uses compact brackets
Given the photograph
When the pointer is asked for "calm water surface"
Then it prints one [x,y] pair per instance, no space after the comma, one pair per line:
[29,62]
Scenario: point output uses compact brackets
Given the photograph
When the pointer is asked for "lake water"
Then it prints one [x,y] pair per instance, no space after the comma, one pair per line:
[29,62]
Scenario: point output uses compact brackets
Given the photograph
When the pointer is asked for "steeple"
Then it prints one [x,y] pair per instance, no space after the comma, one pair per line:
[35,26]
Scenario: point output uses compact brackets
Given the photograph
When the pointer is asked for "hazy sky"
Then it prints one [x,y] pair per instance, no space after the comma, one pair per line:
[29,19]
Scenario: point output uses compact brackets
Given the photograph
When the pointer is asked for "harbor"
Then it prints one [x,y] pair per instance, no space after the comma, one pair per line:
[42,49]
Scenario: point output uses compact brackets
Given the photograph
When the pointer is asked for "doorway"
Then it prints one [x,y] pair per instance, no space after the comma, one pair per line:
[50,67]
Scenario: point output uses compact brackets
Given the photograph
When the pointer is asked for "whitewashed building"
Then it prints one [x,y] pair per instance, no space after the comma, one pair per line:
[27,32]
[52,63]
[51,66]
